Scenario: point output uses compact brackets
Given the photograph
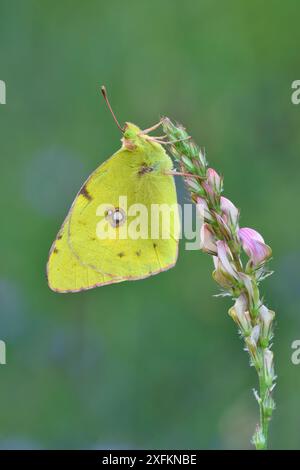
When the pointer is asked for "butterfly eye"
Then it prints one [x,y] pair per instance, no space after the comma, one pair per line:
[116,217]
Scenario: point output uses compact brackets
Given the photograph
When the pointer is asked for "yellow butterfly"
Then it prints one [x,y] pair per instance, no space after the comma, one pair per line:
[82,255]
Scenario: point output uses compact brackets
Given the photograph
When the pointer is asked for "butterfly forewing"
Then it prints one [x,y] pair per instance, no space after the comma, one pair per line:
[106,237]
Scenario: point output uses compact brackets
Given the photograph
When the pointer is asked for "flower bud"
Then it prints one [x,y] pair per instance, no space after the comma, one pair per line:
[268,367]
[229,211]
[193,184]
[208,240]
[226,259]
[251,342]
[255,334]
[269,405]
[259,439]
[267,317]
[253,338]
[225,281]
[202,158]
[252,290]
[203,209]
[188,164]
[240,314]
[209,191]
[225,230]
[214,180]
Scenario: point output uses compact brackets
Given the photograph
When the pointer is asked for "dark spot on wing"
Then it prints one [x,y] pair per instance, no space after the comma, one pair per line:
[116,217]
[138,253]
[144,168]
[55,250]
[121,254]
[59,237]
[154,245]
[84,192]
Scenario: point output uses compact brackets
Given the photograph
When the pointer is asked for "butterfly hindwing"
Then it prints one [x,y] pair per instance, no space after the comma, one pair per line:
[66,273]
[80,259]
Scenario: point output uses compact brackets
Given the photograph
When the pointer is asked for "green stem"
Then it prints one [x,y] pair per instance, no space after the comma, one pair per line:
[193,162]
[264,410]
[263,419]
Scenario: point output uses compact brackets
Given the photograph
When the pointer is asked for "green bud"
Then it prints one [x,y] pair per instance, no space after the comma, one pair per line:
[269,406]
[259,439]
[187,163]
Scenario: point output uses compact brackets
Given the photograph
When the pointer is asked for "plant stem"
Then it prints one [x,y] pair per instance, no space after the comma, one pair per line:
[238,280]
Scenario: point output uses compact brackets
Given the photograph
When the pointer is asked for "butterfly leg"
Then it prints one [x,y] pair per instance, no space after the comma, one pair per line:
[150,129]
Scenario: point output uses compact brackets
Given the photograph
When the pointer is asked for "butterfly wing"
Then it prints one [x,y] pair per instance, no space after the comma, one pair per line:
[66,273]
[126,183]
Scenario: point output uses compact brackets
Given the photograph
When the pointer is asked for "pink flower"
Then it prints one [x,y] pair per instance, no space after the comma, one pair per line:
[224,274]
[230,212]
[208,241]
[203,209]
[225,258]
[254,245]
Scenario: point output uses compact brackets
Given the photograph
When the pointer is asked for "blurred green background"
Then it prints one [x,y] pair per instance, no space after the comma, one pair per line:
[155,363]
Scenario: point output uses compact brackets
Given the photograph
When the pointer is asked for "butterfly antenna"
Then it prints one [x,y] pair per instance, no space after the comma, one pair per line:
[104,93]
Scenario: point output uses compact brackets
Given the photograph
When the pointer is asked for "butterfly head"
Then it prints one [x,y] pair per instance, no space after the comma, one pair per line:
[135,138]
[131,131]
[132,137]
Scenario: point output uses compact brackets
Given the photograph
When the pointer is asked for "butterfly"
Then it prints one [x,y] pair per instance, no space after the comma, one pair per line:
[139,175]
